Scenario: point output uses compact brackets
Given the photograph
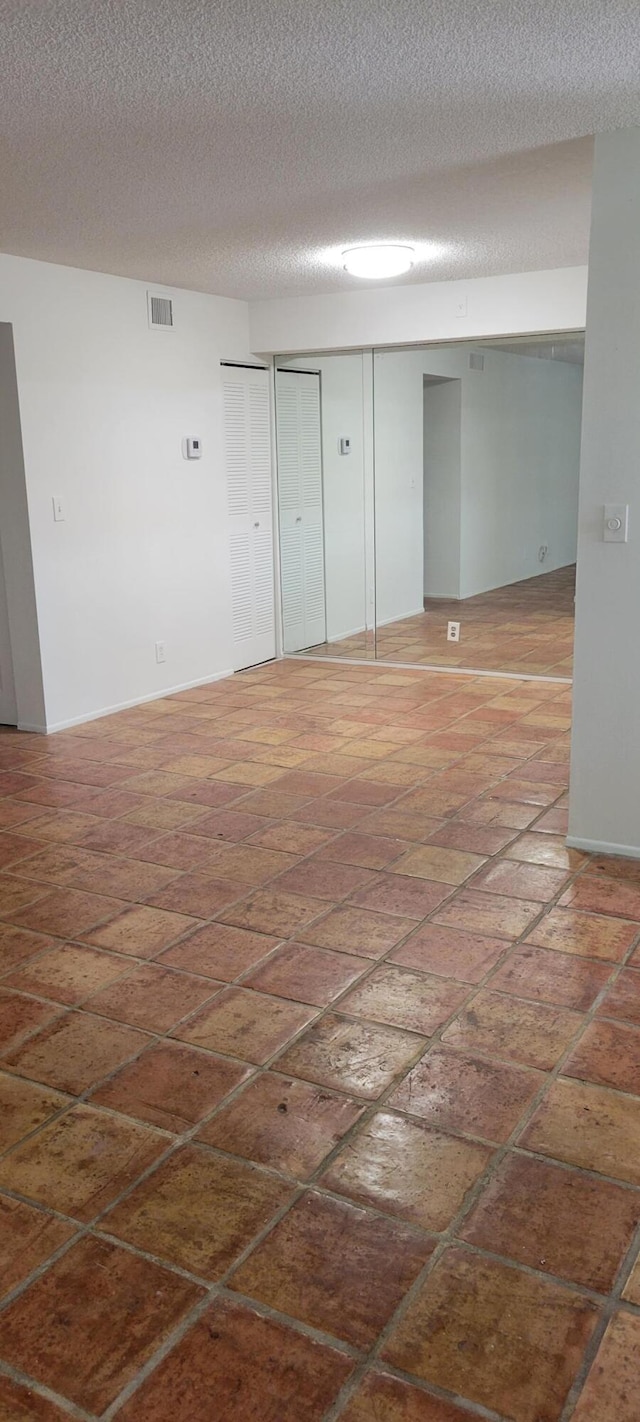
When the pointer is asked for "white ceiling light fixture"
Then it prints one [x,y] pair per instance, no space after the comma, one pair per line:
[388,259]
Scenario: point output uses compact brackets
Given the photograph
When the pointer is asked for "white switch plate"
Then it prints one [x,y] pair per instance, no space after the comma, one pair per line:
[461,306]
[58,510]
[615,523]
[161,655]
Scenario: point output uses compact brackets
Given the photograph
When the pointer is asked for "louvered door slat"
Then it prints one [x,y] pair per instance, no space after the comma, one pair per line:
[241,599]
[237,448]
[260,446]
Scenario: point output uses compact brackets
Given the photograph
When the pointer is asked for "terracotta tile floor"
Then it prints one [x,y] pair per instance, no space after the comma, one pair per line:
[319,1062]
[527,627]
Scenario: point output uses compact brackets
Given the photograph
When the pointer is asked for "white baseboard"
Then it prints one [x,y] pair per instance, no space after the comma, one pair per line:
[601,846]
[383,665]
[400,617]
[342,636]
[125,705]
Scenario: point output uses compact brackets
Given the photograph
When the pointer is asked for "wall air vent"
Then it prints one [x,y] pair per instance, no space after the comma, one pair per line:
[476,360]
[160,311]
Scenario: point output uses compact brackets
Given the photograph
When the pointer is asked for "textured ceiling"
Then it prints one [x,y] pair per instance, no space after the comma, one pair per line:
[235,145]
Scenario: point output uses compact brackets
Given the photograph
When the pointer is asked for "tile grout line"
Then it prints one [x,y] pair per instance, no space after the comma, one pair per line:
[272,1224]
[470,1199]
[70,1409]
[376,962]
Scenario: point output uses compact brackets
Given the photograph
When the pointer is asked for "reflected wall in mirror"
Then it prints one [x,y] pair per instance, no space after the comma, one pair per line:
[324,442]
[477,450]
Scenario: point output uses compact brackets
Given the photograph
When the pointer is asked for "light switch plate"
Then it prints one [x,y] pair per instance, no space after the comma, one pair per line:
[615,523]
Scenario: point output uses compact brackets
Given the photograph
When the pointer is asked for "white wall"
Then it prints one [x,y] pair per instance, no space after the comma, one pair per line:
[520,468]
[23,692]
[399,484]
[442,488]
[433,311]
[520,443]
[8,699]
[142,553]
[605,764]
[341,378]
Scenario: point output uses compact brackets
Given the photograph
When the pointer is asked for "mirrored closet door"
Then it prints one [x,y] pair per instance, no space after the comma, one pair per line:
[324,438]
[476,455]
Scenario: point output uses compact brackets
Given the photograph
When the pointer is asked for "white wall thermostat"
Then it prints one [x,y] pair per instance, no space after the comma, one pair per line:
[192,447]
[344,444]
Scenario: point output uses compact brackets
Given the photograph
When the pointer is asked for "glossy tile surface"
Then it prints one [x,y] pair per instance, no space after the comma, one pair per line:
[406,1168]
[301,991]
[358,1057]
[402,998]
[467,1094]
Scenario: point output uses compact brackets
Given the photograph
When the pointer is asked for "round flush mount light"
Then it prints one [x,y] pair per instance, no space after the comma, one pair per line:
[386,260]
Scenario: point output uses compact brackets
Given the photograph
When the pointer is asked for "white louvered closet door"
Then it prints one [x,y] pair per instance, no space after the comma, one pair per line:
[301,510]
[249,503]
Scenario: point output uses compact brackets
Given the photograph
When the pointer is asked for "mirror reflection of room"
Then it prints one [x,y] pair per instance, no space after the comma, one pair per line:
[476,494]
[431,492]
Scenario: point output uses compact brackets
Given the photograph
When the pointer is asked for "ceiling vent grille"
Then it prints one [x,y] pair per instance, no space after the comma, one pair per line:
[160,310]
[476,360]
